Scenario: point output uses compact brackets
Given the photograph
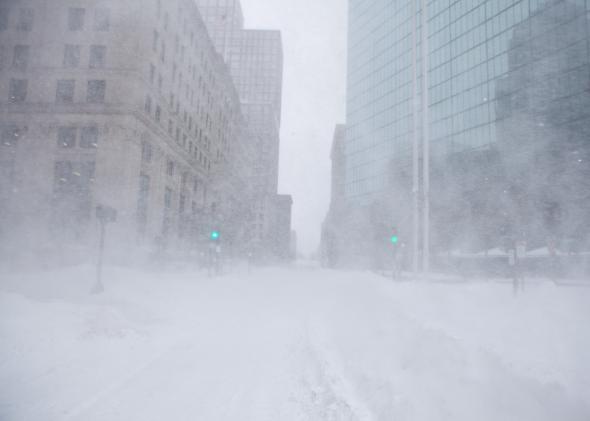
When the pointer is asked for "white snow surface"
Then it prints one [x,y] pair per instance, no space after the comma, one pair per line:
[289,344]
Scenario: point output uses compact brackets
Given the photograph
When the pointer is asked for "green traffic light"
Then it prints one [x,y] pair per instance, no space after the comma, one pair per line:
[215,235]
[394,239]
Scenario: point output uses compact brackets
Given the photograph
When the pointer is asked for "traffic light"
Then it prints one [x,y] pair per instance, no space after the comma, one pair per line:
[215,235]
[394,237]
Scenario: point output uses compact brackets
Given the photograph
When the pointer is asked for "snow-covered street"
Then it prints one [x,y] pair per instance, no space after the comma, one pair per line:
[289,344]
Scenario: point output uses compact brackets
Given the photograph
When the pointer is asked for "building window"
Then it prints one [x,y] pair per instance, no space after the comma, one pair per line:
[146,151]
[96,91]
[158,113]
[20,59]
[148,104]
[25,19]
[71,56]
[163,53]
[181,204]
[76,18]
[11,134]
[168,198]
[102,19]
[142,202]
[73,182]
[152,73]
[97,56]
[89,137]
[2,57]
[155,38]
[65,91]
[66,137]
[4,18]
[18,90]
[170,168]
[62,174]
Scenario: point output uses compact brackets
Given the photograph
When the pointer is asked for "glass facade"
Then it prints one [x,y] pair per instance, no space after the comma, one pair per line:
[471,50]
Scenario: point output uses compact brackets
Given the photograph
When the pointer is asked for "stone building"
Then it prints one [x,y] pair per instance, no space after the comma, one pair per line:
[124,104]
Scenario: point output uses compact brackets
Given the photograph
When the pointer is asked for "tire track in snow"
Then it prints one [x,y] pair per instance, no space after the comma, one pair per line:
[330,394]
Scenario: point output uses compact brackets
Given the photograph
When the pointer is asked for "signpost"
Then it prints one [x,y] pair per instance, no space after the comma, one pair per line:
[104,214]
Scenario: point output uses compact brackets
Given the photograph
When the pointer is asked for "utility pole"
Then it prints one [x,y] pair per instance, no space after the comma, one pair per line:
[415,146]
[425,139]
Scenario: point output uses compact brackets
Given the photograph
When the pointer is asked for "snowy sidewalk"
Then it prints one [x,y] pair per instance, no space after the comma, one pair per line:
[282,344]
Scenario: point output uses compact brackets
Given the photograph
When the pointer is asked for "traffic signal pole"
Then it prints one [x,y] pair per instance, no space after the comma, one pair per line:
[425,140]
[415,146]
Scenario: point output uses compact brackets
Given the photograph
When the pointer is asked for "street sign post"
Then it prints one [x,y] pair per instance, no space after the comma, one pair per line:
[104,214]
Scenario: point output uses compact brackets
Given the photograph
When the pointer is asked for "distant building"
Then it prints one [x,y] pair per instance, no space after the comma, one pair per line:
[281,238]
[225,22]
[333,224]
[294,249]
[255,58]
[125,104]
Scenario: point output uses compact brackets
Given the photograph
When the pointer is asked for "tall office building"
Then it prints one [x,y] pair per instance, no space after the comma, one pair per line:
[330,249]
[543,122]
[255,58]
[224,20]
[473,46]
[257,67]
[124,104]
[256,64]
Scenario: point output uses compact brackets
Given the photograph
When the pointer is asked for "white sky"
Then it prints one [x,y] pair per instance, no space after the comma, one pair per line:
[314,86]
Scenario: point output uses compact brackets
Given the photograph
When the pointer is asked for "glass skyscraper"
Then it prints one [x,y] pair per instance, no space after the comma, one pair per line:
[471,43]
